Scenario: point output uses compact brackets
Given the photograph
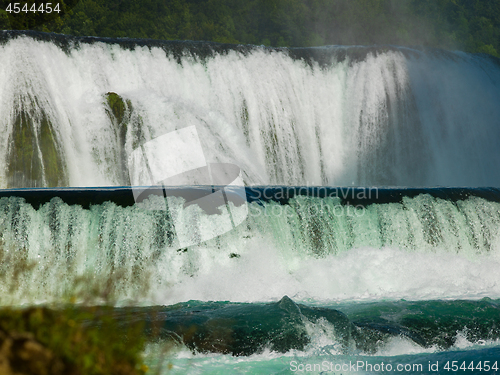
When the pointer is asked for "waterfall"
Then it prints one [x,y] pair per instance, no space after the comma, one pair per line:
[73,110]
[309,248]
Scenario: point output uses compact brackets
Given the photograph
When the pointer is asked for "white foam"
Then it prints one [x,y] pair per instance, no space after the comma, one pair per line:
[361,275]
[388,120]
[259,261]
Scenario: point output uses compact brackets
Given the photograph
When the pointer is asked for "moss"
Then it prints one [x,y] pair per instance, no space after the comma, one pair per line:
[52,162]
[117,106]
[24,167]
[40,340]
[119,112]
[33,156]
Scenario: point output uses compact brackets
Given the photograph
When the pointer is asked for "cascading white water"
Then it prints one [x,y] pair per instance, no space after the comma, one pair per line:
[312,248]
[392,117]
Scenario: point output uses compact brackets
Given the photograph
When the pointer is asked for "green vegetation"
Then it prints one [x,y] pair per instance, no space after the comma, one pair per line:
[119,112]
[30,165]
[469,25]
[29,14]
[39,341]
[117,106]
[76,339]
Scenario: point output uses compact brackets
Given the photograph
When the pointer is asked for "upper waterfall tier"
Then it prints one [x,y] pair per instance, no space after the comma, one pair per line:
[74,109]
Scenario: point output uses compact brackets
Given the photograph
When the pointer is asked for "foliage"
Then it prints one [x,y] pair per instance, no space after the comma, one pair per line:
[32,13]
[26,159]
[72,340]
[470,25]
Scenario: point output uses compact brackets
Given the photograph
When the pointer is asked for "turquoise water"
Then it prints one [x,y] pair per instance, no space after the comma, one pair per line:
[454,337]
[331,364]
[313,285]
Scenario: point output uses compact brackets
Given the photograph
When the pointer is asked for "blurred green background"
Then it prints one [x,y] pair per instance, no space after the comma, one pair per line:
[468,25]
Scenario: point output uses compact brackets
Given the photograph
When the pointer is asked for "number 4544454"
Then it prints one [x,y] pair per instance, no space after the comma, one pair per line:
[35,8]
[464,366]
